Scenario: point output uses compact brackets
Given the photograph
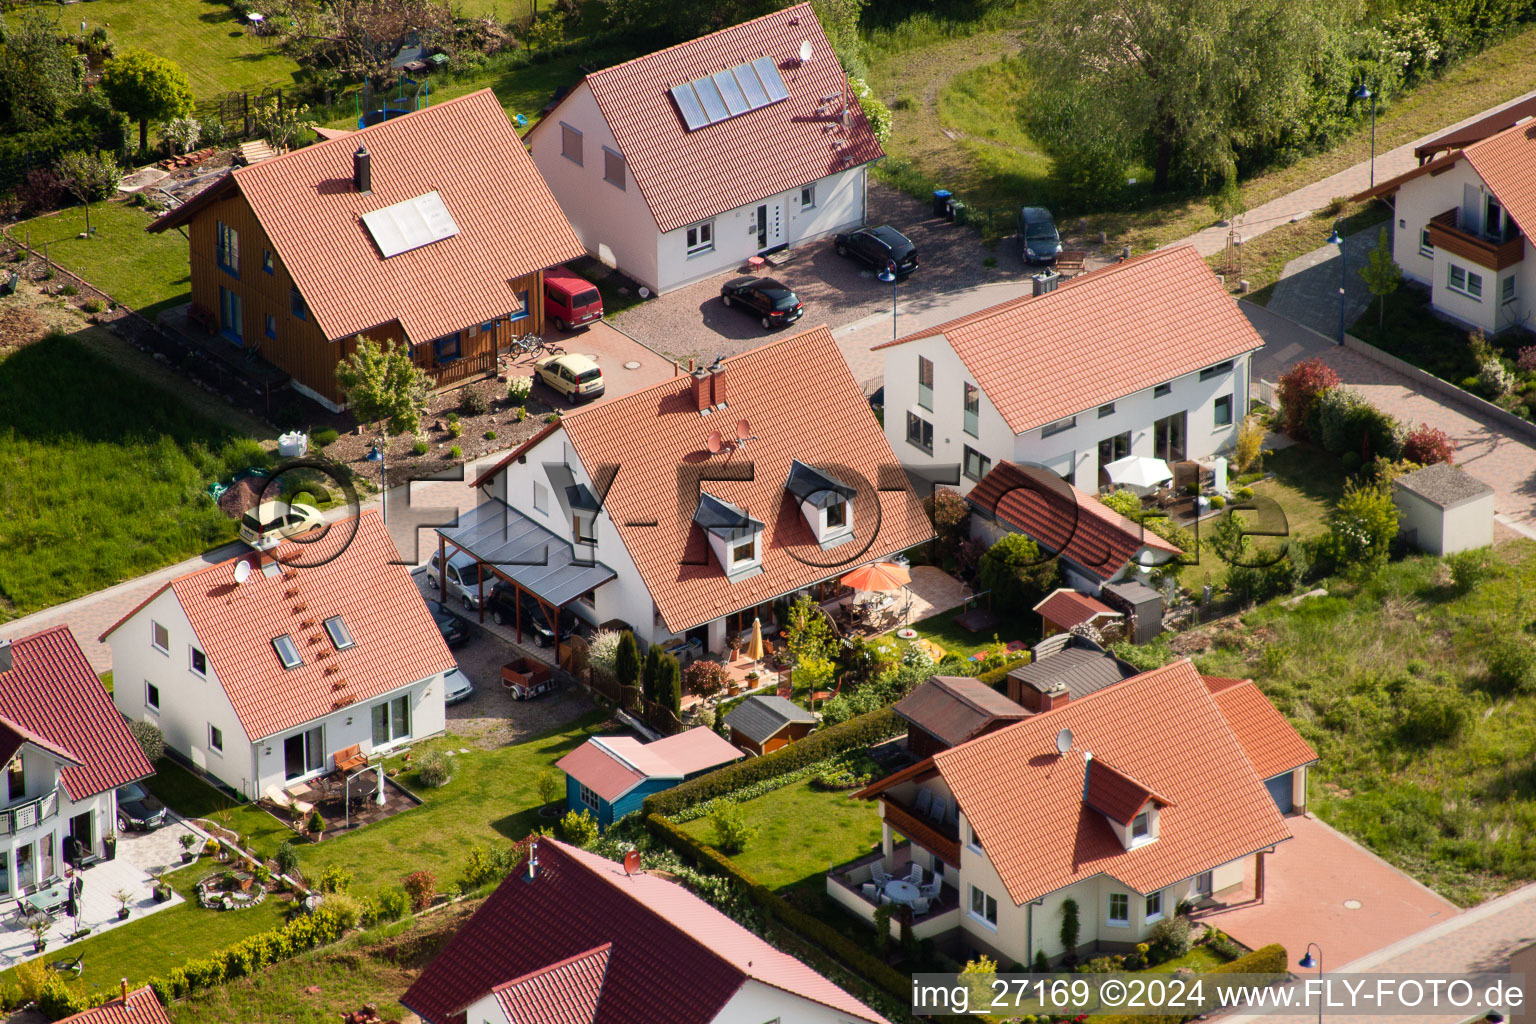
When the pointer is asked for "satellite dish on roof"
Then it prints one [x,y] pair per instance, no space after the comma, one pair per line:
[242,571]
[1064,741]
[716,442]
[743,430]
[805,52]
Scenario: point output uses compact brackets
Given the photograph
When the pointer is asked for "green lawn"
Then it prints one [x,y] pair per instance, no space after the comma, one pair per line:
[150,947]
[102,477]
[1424,759]
[1307,483]
[205,37]
[1199,958]
[801,833]
[146,272]
[491,799]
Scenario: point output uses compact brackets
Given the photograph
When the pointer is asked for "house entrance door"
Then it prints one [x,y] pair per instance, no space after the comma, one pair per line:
[1168,437]
[762,226]
[770,225]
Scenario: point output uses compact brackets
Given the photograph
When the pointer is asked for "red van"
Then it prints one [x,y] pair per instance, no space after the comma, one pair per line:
[570,300]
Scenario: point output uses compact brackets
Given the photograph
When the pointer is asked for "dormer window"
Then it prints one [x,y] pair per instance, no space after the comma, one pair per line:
[1141,826]
[1130,808]
[825,501]
[734,536]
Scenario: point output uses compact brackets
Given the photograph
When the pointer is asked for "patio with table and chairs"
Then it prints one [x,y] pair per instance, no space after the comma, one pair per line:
[930,900]
[75,900]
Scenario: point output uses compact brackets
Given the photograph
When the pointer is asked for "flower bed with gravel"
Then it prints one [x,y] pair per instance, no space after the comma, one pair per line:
[230,890]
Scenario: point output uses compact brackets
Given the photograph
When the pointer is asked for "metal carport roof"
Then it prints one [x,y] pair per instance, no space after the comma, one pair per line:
[526,553]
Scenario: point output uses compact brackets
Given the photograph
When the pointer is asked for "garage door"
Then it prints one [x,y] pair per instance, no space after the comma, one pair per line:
[1280,788]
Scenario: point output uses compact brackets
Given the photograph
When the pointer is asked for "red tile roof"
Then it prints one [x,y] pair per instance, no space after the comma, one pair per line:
[653,433]
[1218,683]
[674,959]
[1272,745]
[1507,164]
[1113,793]
[1067,608]
[1098,337]
[396,641]
[1163,729]
[51,696]
[466,149]
[562,993]
[1478,130]
[140,1007]
[689,176]
[1063,519]
[1383,189]
[595,767]
[611,766]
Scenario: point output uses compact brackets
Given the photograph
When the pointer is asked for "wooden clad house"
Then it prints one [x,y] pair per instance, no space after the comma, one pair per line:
[432,229]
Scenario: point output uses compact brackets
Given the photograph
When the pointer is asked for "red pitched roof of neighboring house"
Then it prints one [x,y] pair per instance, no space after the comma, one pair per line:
[51,697]
[1063,519]
[1477,131]
[955,708]
[654,433]
[1098,337]
[12,736]
[1383,189]
[690,176]
[395,640]
[465,149]
[137,1007]
[1113,793]
[1067,608]
[1163,729]
[1218,683]
[674,959]
[611,766]
[1272,745]
[562,993]
[1507,164]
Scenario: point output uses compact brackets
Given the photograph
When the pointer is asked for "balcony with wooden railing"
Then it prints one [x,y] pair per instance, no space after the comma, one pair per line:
[939,838]
[1445,233]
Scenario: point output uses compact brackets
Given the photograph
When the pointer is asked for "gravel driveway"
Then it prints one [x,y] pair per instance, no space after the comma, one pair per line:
[691,322]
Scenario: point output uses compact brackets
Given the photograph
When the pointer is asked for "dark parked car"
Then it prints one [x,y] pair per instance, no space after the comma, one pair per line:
[502,604]
[454,629]
[879,247]
[772,302]
[137,809]
[1039,241]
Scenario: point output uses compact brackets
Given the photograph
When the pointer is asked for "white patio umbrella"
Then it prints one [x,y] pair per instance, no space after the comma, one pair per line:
[1138,471]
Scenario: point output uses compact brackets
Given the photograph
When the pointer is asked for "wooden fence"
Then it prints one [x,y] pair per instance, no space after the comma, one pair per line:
[629,698]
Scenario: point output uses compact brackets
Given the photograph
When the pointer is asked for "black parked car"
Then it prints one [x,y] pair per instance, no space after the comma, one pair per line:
[772,302]
[879,247]
[1039,241]
[454,629]
[137,809]
[503,608]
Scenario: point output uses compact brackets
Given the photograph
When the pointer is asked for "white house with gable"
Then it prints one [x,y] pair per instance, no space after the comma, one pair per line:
[686,162]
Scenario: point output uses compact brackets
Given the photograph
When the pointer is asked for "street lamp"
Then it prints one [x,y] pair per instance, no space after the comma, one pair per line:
[1363,93]
[888,275]
[1337,238]
[1308,962]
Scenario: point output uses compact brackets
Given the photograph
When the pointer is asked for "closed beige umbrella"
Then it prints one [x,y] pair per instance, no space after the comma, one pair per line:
[755,646]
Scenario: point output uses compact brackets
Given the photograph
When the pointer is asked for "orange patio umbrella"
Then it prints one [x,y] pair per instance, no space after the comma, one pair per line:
[879,577]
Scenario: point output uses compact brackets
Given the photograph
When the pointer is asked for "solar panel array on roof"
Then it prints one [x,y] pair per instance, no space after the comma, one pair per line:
[729,93]
[410,225]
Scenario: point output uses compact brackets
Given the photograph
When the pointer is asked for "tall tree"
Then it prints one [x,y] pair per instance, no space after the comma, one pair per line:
[38,73]
[626,664]
[146,88]
[1193,79]
[381,383]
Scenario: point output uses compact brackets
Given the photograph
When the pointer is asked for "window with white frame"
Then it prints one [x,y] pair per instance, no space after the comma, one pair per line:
[744,552]
[1221,412]
[1507,290]
[215,739]
[1154,907]
[1141,825]
[1426,248]
[1119,909]
[1058,427]
[1464,282]
[613,168]
[983,907]
[570,143]
[590,798]
[807,198]
[975,840]
[391,721]
[972,409]
[197,660]
[151,696]
[540,497]
[701,238]
[159,637]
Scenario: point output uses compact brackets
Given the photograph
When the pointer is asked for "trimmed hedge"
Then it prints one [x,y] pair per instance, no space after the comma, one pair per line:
[847,952]
[250,955]
[863,731]
[1269,959]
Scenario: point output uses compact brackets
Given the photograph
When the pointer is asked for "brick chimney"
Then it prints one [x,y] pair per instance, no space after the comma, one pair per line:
[717,384]
[702,389]
[1031,696]
[1055,697]
[124,984]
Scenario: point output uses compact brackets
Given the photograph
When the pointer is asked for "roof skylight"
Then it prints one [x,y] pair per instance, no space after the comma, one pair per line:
[287,651]
[340,636]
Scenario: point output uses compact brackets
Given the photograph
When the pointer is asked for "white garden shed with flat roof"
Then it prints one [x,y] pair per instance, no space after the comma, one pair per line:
[1444,509]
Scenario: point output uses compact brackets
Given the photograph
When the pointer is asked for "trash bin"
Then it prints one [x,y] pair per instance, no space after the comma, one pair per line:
[958,212]
[941,202]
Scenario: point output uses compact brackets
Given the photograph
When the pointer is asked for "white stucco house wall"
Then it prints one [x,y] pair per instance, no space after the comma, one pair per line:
[686,162]
[260,684]
[1460,227]
[1444,509]
[65,750]
[1177,808]
[1149,357]
[623,511]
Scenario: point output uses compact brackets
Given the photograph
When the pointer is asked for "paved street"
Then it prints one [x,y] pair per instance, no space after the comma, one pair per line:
[1308,289]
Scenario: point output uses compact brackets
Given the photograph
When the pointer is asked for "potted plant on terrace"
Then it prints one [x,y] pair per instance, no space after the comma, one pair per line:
[123,897]
[38,925]
[188,840]
[317,825]
[109,846]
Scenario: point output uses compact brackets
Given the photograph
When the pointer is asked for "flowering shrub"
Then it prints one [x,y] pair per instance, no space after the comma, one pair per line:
[420,886]
[1526,360]
[1428,445]
[705,677]
[1494,380]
